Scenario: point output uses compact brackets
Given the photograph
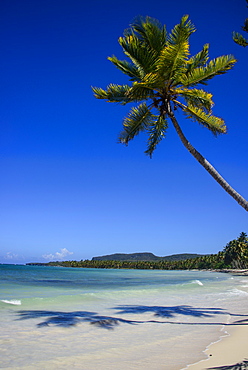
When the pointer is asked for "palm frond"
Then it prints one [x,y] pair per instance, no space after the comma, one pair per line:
[197,97]
[245,26]
[198,60]
[150,32]
[142,57]
[182,31]
[114,93]
[156,132]
[138,119]
[215,67]
[151,81]
[128,68]
[239,39]
[172,61]
[215,124]
[140,91]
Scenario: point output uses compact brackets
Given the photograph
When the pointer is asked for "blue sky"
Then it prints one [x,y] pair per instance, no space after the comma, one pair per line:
[68,190]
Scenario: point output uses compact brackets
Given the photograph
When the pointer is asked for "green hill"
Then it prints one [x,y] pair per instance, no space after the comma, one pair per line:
[145,256]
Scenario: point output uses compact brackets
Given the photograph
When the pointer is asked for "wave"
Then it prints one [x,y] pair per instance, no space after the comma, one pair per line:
[197,282]
[192,282]
[15,302]
[238,292]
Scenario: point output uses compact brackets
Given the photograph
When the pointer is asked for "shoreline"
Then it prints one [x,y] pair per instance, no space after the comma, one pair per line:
[228,353]
[236,272]
[231,350]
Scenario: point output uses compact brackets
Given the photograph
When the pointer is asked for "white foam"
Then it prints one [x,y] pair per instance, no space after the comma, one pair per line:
[15,302]
[238,292]
[197,282]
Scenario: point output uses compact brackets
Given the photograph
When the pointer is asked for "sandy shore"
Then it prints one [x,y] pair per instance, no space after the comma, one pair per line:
[230,353]
[237,272]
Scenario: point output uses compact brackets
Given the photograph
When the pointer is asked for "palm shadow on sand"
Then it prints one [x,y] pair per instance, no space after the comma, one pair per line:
[240,366]
[70,319]
[170,311]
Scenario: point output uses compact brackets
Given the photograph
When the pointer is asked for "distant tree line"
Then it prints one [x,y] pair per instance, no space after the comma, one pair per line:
[215,261]
[233,256]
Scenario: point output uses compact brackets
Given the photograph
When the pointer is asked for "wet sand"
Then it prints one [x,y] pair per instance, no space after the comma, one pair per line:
[231,352]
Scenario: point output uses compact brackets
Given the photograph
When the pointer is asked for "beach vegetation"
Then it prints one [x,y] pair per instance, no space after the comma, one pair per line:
[163,79]
[236,252]
[240,39]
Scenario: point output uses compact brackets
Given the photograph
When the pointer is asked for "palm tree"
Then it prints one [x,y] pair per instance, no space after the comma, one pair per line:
[238,38]
[164,77]
[236,252]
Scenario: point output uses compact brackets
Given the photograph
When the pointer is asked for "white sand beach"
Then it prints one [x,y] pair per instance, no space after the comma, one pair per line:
[231,351]
[227,353]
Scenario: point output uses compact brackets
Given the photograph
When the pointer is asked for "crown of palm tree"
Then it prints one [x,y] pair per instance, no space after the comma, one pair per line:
[163,77]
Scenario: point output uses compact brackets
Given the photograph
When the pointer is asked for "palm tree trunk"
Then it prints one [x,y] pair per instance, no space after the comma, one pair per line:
[211,170]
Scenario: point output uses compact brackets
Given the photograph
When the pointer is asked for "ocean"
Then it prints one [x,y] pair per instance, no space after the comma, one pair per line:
[76,318]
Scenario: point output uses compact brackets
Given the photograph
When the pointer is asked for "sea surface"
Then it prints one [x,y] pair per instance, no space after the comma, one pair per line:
[76,318]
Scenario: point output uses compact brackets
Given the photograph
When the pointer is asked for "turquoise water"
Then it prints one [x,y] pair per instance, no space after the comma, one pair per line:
[60,318]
